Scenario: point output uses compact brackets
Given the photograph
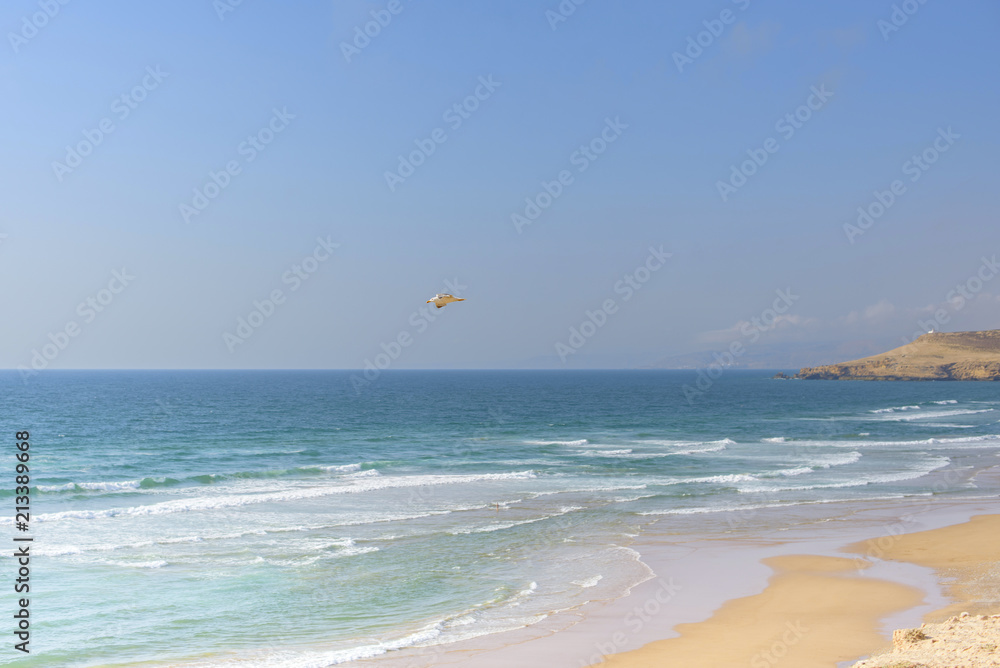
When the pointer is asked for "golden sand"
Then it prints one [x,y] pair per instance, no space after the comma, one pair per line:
[817,611]
[966,557]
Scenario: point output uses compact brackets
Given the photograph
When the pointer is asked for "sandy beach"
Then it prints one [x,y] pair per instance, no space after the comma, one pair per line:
[822,611]
[966,557]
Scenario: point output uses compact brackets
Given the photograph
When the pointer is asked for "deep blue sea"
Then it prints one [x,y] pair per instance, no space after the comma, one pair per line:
[282,518]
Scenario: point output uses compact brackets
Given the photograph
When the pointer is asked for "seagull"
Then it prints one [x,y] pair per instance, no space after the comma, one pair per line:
[440,300]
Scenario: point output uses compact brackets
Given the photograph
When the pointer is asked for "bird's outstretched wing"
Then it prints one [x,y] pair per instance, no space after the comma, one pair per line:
[440,300]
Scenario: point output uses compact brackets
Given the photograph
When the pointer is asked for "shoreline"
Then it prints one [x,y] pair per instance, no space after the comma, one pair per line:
[814,613]
[799,620]
[956,554]
[700,574]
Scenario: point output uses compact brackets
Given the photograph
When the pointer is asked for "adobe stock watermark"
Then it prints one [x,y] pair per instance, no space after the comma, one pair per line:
[792,635]
[30,25]
[915,168]
[166,409]
[877,548]
[752,329]
[88,311]
[122,107]
[363,35]
[263,309]
[627,286]
[958,297]
[562,12]
[787,125]
[223,7]
[714,28]
[899,17]
[635,621]
[422,494]
[454,116]
[582,158]
[740,517]
[248,149]
[419,320]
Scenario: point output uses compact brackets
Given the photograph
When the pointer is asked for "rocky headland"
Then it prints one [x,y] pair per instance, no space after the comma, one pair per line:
[933,356]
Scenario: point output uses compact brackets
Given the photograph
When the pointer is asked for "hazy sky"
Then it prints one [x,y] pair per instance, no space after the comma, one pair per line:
[167,165]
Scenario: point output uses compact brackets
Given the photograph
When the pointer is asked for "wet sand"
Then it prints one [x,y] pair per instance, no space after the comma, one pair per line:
[820,611]
[815,612]
[966,558]
[784,592]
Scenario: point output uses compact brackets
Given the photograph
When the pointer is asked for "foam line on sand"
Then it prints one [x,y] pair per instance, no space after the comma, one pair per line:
[821,611]
[815,612]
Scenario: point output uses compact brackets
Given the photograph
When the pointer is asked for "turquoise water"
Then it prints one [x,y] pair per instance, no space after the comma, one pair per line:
[284,519]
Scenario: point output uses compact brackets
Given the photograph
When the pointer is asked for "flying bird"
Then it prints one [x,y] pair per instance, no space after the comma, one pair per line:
[440,300]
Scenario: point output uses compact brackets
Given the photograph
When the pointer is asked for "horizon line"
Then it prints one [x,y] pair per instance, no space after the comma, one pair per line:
[729,368]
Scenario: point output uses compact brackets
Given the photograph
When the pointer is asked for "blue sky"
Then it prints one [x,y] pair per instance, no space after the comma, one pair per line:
[554,86]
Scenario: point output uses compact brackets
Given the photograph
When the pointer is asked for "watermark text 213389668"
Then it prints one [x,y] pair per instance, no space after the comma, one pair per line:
[22,515]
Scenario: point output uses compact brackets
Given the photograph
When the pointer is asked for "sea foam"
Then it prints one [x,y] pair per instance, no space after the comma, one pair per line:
[205,503]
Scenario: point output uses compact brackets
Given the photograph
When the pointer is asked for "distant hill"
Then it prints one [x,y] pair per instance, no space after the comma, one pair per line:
[938,356]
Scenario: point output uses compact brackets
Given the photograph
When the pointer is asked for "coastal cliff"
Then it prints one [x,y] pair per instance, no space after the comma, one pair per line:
[937,356]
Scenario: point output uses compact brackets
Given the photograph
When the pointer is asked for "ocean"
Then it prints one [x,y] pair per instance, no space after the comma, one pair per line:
[294,519]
